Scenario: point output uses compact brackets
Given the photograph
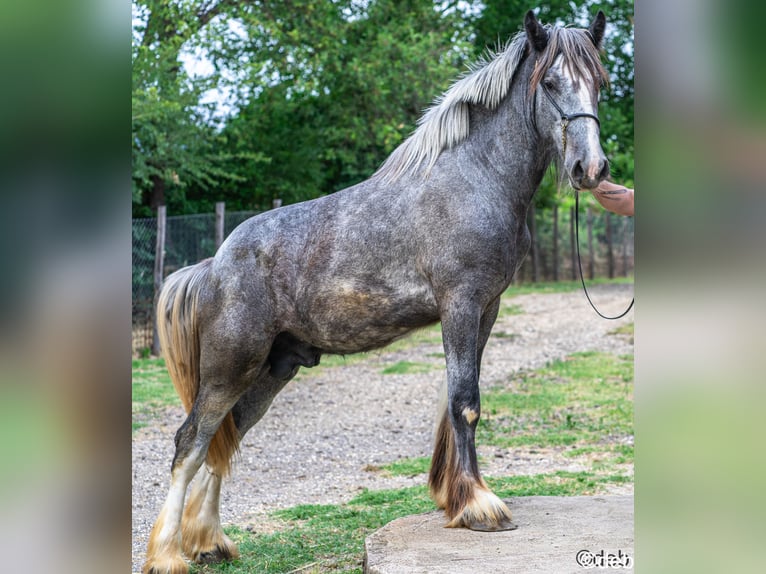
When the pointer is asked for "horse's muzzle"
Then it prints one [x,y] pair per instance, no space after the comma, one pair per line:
[596,172]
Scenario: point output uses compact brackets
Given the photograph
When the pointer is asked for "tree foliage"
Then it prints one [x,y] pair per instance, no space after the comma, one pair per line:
[174,148]
[318,92]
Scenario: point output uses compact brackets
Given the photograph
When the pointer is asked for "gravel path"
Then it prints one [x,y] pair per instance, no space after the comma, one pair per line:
[326,431]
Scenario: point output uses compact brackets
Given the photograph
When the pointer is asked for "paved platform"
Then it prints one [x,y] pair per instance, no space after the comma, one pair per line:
[555,535]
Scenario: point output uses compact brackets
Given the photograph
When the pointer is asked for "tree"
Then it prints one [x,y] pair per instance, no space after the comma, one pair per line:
[173,145]
[323,92]
[339,86]
[319,92]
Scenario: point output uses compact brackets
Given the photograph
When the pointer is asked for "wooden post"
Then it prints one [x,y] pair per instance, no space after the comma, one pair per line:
[276,203]
[159,266]
[591,254]
[535,244]
[220,211]
[624,246]
[555,241]
[609,245]
[573,247]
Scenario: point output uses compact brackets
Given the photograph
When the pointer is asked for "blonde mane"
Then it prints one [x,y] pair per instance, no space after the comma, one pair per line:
[446,123]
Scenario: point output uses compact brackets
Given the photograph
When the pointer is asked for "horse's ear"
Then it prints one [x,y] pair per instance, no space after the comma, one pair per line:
[536,34]
[597,28]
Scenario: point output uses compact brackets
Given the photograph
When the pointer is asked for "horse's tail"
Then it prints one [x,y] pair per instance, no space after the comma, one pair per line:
[179,338]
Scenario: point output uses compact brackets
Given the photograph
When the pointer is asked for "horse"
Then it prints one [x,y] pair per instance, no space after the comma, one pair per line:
[434,235]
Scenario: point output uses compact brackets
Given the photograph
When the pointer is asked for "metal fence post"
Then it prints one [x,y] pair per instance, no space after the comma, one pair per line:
[220,211]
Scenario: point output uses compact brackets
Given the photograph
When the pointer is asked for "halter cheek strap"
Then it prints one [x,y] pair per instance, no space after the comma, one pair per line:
[566,118]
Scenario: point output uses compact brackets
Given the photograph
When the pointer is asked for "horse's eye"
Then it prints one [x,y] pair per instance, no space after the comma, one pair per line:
[549,84]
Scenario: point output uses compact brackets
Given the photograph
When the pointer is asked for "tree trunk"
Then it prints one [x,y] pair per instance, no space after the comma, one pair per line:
[535,253]
[591,254]
[555,242]
[157,197]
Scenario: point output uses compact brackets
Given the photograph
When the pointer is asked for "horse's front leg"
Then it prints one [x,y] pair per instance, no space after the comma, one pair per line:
[455,482]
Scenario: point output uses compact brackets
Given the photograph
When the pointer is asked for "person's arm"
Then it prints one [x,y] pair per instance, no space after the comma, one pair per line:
[616,198]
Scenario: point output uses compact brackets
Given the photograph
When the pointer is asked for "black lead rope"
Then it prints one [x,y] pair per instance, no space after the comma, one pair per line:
[579,264]
[565,119]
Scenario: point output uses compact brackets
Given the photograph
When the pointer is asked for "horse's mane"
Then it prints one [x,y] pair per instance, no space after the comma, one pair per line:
[487,82]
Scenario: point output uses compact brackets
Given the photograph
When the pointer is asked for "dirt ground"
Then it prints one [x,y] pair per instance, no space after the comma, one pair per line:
[327,431]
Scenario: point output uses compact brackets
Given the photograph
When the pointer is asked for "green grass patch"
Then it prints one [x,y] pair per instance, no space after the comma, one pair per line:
[561,286]
[410,367]
[508,309]
[581,400]
[408,466]
[625,330]
[504,335]
[152,390]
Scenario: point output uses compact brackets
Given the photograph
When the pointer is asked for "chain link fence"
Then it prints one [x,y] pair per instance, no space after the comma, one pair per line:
[191,238]
[188,239]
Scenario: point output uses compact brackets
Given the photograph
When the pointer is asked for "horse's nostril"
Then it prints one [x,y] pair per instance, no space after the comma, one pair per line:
[577,171]
[604,173]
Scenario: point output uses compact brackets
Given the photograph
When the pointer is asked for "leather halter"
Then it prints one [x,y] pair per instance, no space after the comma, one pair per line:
[566,118]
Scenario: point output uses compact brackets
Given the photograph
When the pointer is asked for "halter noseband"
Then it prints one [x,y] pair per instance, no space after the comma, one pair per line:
[566,118]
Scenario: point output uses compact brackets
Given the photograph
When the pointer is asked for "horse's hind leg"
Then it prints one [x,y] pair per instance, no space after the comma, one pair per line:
[455,482]
[203,538]
[219,391]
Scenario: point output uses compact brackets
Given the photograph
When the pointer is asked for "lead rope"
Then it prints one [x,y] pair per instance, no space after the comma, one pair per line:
[579,264]
[565,120]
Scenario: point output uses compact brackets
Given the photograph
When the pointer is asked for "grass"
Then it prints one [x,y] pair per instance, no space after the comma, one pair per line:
[583,399]
[407,466]
[411,367]
[506,309]
[152,390]
[625,330]
[561,286]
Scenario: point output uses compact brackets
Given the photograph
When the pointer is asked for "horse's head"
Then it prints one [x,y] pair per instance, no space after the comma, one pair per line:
[566,81]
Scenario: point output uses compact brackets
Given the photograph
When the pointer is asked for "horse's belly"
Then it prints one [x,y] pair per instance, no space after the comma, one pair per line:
[347,320]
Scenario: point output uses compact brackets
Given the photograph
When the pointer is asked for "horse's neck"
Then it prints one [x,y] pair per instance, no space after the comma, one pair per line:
[503,150]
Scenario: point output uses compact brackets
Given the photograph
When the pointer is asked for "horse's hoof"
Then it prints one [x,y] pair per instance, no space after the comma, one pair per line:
[218,554]
[484,512]
[174,565]
[500,526]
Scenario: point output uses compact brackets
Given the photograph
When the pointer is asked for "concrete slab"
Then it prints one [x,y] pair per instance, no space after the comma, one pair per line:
[555,535]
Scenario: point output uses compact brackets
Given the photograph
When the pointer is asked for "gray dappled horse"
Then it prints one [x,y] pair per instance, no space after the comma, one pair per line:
[436,234]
